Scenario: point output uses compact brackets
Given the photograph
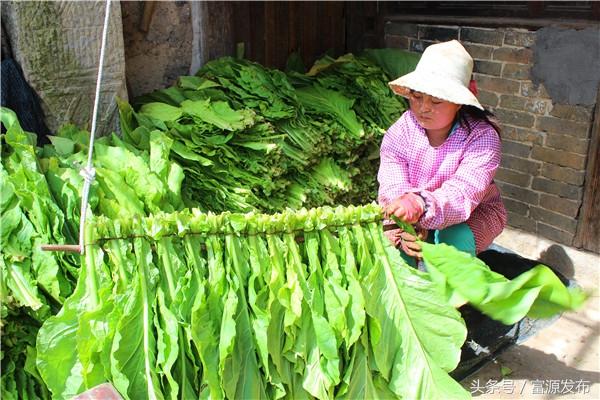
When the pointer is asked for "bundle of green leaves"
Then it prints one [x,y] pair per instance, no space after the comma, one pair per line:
[39,204]
[301,304]
[33,283]
[252,138]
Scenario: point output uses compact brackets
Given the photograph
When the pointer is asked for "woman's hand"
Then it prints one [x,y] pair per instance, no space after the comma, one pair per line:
[406,241]
[409,207]
[409,245]
[394,236]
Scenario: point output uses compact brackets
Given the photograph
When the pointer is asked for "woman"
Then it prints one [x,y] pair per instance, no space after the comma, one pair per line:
[439,159]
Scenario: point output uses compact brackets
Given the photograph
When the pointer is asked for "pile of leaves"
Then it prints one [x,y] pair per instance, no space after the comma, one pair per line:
[252,138]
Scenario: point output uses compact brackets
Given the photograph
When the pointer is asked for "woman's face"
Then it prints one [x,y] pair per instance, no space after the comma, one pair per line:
[432,113]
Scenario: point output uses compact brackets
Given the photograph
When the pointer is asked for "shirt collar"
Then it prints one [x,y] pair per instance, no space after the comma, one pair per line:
[454,127]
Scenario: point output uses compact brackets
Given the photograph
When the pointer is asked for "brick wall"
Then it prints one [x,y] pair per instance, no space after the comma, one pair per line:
[544,144]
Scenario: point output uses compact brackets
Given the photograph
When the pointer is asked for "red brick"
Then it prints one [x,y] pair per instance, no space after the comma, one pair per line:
[515,55]
[572,113]
[482,35]
[523,104]
[567,207]
[563,127]
[518,221]
[512,102]
[498,85]
[563,174]
[518,193]
[568,143]
[529,89]
[513,177]
[516,149]
[555,234]
[516,207]
[479,52]
[516,71]
[487,67]
[558,188]
[522,135]
[437,33]
[519,38]
[520,164]
[516,118]
[551,218]
[487,99]
[558,157]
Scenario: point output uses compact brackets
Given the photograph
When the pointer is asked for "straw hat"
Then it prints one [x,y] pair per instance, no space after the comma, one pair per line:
[444,71]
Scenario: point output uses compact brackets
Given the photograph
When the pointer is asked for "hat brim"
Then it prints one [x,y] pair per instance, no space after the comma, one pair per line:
[445,89]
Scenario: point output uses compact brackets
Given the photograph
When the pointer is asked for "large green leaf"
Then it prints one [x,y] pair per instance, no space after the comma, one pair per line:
[537,293]
[420,334]
[241,375]
[162,111]
[57,339]
[362,381]
[133,354]
[395,62]
[320,99]
[355,313]
[206,317]
[461,277]
[205,335]
[322,358]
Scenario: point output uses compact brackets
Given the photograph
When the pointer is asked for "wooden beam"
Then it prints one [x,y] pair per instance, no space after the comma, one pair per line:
[588,227]
[528,23]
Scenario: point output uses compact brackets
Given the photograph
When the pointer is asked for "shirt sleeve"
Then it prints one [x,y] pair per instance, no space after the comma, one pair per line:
[454,201]
[393,166]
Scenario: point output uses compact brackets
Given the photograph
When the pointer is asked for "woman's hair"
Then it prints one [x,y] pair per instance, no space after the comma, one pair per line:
[477,115]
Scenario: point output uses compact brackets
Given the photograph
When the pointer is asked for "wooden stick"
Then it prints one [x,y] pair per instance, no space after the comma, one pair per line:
[72,248]
[389,227]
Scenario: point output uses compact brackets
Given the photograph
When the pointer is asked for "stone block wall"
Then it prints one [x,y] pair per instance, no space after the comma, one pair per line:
[157,57]
[545,143]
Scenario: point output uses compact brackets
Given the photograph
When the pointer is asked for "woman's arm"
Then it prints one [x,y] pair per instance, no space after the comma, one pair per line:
[393,168]
[454,201]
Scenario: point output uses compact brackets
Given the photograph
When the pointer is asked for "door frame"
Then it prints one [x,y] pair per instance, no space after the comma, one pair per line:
[587,235]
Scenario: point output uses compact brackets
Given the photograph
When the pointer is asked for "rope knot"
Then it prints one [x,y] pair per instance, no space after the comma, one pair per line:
[88,173]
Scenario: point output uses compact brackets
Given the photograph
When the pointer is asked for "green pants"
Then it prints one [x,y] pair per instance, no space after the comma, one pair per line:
[459,236]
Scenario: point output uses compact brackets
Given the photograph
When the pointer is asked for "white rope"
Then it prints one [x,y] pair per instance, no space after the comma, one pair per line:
[89,172]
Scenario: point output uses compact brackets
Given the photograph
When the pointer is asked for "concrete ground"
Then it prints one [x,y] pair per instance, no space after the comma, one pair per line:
[563,360]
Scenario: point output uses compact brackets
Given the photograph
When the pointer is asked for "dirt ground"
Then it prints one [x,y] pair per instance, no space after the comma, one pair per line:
[563,360]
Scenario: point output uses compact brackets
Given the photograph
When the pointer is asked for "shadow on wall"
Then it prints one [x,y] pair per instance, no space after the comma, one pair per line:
[557,257]
[511,265]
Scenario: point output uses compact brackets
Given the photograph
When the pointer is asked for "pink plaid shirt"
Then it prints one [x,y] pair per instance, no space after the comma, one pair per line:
[455,179]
